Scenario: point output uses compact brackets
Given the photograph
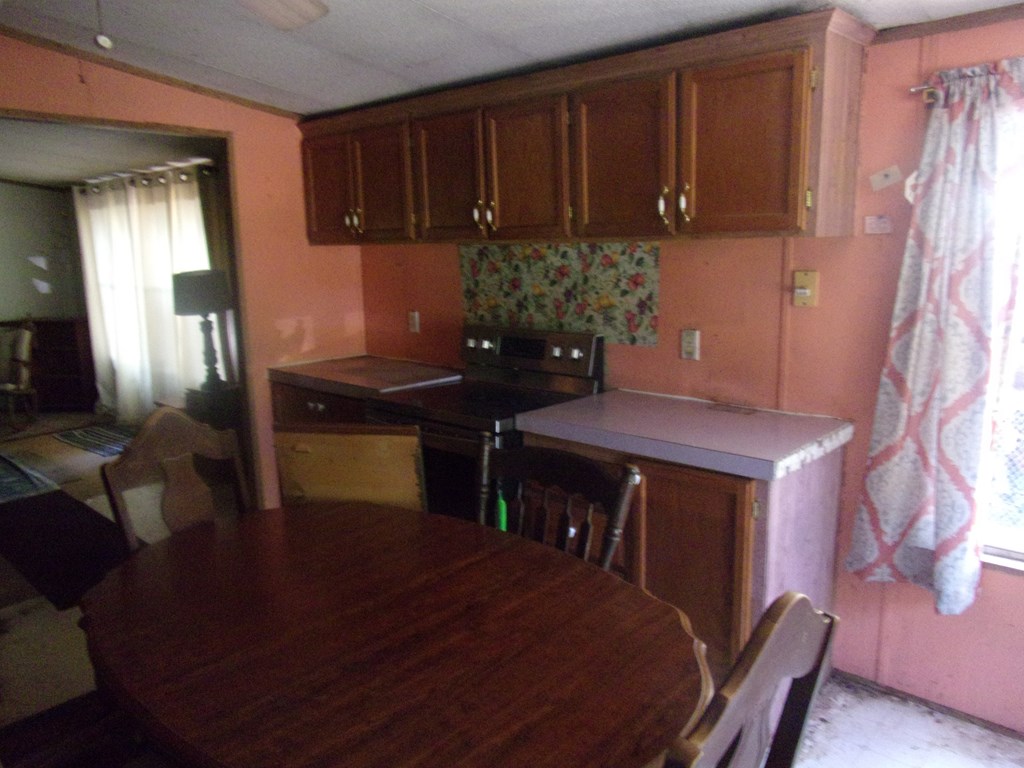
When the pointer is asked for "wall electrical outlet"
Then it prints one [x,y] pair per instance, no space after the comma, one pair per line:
[689,348]
[414,321]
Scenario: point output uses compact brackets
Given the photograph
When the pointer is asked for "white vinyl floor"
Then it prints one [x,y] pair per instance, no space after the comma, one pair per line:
[856,726]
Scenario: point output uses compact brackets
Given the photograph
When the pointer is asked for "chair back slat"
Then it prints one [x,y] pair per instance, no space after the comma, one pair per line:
[563,499]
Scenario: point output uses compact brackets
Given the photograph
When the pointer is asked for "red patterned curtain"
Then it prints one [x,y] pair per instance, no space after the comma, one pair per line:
[951,325]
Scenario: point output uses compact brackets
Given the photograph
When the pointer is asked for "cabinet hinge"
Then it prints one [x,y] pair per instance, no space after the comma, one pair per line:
[570,213]
[809,198]
[755,510]
[814,78]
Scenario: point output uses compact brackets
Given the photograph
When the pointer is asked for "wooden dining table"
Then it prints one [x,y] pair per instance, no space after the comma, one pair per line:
[347,634]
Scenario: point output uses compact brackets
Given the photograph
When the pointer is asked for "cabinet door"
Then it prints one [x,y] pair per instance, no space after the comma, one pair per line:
[699,551]
[528,169]
[624,158]
[744,129]
[328,189]
[449,153]
[382,183]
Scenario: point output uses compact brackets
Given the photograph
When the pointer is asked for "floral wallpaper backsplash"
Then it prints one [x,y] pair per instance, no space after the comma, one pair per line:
[607,288]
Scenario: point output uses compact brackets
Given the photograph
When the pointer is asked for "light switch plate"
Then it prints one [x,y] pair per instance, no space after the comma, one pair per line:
[805,288]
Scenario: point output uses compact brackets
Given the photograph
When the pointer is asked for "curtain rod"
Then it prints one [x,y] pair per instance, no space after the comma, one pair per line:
[929,94]
[200,164]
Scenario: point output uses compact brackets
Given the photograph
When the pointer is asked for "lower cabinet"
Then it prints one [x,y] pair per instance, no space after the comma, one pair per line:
[721,547]
[699,546]
[299,405]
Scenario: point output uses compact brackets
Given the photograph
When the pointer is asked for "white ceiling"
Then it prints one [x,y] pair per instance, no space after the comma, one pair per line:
[363,51]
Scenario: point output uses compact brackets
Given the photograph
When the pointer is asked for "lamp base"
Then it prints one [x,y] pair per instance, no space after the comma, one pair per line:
[213,383]
[216,384]
[221,409]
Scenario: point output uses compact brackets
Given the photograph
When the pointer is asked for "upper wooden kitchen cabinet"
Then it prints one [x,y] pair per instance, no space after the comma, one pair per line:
[744,130]
[527,151]
[328,179]
[449,165]
[494,173]
[749,131]
[624,158]
[359,185]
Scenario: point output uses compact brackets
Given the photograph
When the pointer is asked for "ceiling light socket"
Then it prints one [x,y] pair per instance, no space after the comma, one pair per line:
[104,42]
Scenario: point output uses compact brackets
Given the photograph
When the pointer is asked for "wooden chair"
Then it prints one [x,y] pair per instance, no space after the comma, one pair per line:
[16,343]
[792,642]
[378,463]
[560,498]
[174,473]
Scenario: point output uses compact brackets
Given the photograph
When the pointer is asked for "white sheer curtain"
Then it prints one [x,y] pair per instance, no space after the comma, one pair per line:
[135,233]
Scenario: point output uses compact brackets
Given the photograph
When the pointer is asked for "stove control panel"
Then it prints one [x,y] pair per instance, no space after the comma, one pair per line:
[562,352]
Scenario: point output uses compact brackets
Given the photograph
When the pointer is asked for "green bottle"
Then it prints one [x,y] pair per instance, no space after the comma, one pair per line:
[501,513]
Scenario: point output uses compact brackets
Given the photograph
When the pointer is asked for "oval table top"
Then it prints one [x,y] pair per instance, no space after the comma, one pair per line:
[354,635]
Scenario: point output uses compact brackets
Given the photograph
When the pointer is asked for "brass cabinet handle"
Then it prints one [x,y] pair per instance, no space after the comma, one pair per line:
[683,202]
[356,221]
[477,217]
[489,215]
[663,206]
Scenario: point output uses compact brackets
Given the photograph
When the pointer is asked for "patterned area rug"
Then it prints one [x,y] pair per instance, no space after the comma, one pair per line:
[102,440]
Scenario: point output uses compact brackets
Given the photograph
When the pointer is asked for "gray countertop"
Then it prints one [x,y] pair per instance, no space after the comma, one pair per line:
[748,442]
[362,375]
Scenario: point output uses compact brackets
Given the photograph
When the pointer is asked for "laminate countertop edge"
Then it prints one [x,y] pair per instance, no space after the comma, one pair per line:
[748,442]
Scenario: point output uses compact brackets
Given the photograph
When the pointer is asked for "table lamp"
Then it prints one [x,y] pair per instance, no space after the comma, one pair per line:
[202,293]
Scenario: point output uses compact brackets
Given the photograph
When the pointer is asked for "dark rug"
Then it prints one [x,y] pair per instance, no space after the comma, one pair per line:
[86,732]
[61,546]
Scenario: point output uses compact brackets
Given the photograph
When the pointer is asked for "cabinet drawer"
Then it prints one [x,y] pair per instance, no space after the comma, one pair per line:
[293,404]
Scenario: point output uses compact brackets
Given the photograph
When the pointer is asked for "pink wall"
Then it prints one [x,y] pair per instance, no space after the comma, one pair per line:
[297,301]
[301,302]
[758,349]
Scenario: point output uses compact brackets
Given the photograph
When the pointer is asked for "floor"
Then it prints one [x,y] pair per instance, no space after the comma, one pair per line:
[43,662]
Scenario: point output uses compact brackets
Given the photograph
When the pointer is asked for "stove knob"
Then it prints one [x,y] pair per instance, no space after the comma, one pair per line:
[576,353]
[486,344]
[556,352]
[471,343]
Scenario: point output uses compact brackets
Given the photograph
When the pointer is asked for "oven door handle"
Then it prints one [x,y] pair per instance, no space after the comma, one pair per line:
[466,442]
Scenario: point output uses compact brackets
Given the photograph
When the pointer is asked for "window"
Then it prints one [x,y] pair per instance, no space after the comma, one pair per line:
[1003,526]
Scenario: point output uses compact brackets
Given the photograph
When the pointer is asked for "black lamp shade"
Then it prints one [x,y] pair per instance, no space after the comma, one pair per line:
[201,292]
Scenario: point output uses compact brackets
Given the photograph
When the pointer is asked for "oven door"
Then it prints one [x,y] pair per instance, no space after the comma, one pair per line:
[452,458]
